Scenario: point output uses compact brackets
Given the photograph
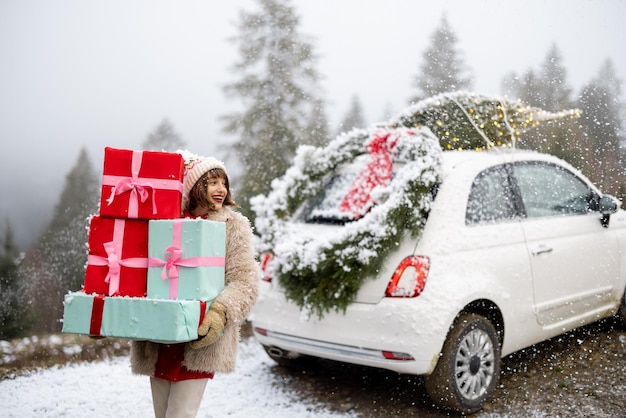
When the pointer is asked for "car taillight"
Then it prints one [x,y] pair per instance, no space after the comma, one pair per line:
[394,355]
[261,331]
[409,278]
[266,268]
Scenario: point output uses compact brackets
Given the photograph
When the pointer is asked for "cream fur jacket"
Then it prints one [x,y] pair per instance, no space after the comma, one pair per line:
[240,292]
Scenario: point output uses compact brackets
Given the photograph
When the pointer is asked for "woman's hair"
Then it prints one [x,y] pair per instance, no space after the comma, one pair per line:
[198,195]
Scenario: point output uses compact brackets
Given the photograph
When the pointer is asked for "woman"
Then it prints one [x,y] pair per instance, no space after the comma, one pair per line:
[179,372]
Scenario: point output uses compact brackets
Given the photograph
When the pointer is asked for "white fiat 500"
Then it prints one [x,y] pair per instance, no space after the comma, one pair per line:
[517,247]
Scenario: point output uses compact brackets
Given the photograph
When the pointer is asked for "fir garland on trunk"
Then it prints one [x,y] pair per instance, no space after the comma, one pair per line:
[324,273]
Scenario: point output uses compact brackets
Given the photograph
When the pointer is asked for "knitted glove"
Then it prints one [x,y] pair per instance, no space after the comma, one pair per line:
[211,327]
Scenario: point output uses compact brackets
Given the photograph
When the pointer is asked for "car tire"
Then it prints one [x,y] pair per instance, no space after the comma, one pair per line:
[621,312]
[469,365]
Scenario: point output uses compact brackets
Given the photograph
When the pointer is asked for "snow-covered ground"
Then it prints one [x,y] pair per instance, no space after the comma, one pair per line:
[580,374]
[108,389]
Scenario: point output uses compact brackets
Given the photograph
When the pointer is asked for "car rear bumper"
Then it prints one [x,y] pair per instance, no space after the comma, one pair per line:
[391,335]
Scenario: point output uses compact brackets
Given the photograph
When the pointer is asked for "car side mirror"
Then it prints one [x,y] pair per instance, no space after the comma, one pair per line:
[608,205]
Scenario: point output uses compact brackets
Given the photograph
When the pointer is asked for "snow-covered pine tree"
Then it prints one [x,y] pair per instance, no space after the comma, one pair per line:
[15,316]
[526,87]
[556,93]
[354,118]
[547,89]
[56,264]
[600,103]
[443,68]
[163,138]
[278,86]
[317,130]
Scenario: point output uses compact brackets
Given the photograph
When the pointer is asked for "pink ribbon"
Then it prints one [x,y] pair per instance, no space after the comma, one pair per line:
[173,260]
[138,186]
[114,260]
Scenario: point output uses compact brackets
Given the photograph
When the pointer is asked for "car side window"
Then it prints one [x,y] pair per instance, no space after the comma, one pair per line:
[549,190]
[490,199]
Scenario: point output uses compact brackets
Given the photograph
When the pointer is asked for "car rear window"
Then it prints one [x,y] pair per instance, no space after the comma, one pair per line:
[491,198]
[326,206]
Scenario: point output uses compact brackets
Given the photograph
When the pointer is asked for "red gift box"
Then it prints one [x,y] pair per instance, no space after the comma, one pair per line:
[141,184]
[117,264]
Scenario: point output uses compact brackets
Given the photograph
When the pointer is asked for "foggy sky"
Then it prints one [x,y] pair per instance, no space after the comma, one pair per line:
[79,73]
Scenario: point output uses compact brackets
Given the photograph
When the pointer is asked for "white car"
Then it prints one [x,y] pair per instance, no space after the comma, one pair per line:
[517,247]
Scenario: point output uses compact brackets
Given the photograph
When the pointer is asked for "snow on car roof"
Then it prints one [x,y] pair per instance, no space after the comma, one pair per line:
[482,159]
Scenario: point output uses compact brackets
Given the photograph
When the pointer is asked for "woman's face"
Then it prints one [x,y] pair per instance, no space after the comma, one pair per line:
[215,194]
[216,191]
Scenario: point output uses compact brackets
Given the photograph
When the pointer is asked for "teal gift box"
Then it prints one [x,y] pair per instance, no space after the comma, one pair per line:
[158,320]
[186,259]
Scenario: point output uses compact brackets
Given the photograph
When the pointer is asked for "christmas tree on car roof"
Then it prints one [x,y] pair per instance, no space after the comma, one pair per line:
[466,121]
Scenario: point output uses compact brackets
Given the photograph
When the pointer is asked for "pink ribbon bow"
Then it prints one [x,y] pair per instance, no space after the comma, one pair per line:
[138,187]
[173,260]
[115,264]
[135,187]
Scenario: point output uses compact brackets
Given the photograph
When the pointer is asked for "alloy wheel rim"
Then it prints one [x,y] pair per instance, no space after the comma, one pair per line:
[474,364]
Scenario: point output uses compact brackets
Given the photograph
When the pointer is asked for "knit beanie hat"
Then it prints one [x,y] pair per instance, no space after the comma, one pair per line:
[195,167]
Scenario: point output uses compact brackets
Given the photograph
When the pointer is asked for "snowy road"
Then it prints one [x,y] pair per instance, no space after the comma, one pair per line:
[108,389]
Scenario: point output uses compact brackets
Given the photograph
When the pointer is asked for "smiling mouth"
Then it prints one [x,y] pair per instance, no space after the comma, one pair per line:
[218,199]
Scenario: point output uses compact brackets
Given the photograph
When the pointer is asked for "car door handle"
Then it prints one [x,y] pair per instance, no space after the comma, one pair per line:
[541,250]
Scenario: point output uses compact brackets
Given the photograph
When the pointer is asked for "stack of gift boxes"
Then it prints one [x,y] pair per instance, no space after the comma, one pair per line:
[150,273]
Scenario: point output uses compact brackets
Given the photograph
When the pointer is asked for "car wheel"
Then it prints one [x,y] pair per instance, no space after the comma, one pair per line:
[468,367]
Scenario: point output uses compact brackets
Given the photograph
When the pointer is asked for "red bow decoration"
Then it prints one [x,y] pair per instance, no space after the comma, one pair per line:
[378,172]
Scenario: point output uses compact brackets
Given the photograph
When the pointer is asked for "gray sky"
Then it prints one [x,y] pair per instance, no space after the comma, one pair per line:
[92,73]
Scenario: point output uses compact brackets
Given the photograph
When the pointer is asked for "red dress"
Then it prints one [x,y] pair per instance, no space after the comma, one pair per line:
[170,361]
[169,365]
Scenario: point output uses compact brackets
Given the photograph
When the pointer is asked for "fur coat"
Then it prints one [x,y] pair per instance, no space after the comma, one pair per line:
[242,273]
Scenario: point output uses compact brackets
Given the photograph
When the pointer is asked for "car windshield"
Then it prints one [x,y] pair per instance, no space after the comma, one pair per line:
[326,206]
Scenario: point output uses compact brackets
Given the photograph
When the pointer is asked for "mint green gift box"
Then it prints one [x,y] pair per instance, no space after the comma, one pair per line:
[158,320]
[186,259]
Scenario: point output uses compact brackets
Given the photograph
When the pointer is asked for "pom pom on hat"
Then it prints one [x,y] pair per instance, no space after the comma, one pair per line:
[195,167]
